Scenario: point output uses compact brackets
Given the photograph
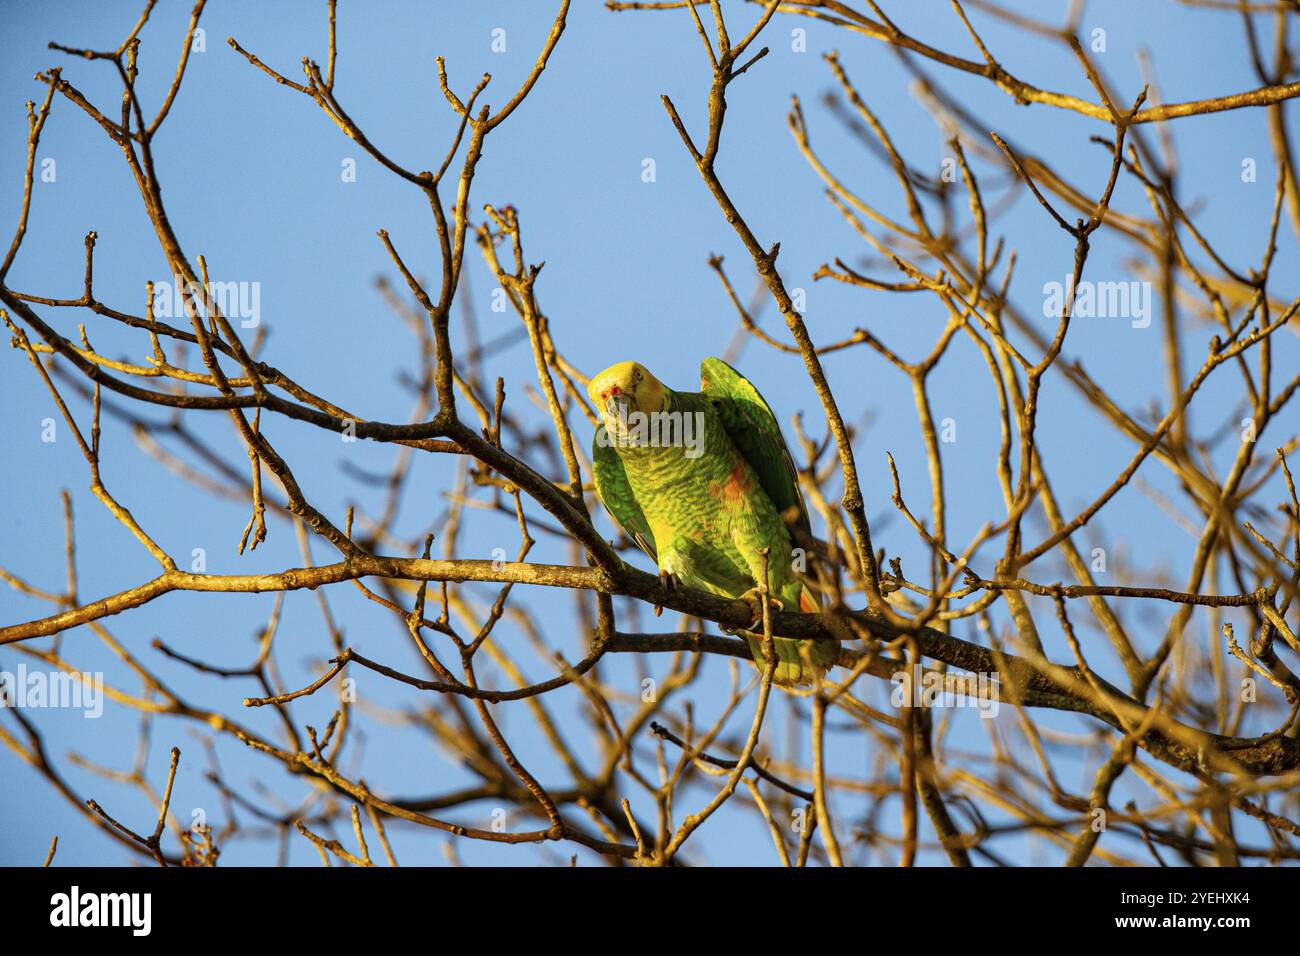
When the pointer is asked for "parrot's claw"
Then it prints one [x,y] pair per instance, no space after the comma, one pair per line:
[755,602]
[670,582]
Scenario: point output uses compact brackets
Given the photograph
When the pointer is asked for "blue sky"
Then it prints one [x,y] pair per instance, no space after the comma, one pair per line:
[251,177]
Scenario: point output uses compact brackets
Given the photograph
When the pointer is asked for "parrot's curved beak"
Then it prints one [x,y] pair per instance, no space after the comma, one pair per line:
[618,406]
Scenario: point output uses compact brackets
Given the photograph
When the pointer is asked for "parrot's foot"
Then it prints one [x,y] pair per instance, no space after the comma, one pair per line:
[670,582]
[755,602]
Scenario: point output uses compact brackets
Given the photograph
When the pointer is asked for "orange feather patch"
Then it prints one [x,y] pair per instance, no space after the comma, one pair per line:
[735,487]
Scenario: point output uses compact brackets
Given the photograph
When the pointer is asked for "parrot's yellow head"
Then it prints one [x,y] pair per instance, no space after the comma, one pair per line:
[629,387]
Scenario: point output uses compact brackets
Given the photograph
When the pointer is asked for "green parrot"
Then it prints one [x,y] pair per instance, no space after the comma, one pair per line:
[701,481]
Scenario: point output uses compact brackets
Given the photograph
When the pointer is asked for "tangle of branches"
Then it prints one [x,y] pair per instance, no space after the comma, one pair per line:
[1185,690]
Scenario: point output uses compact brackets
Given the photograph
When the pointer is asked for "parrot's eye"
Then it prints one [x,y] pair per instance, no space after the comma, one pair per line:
[636,376]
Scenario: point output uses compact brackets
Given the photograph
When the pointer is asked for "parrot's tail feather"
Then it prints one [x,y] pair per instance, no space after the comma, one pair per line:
[791,668]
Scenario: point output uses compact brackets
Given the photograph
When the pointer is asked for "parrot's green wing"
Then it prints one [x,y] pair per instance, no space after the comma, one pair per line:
[616,493]
[753,429]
